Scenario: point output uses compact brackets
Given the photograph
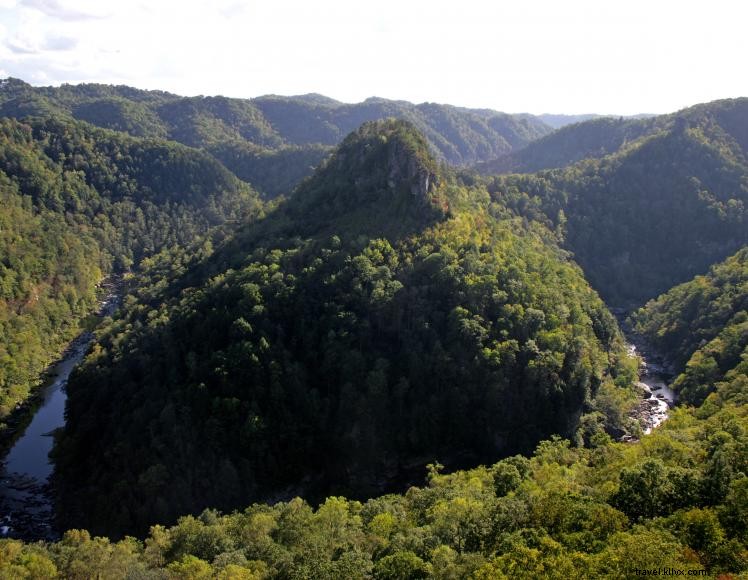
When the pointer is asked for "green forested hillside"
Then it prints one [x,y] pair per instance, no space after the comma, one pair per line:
[597,138]
[389,315]
[658,212]
[78,203]
[272,171]
[702,327]
[460,136]
[201,121]
[386,316]
[589,139]
[48,273]
[120,114]
[140,194]
[676,501]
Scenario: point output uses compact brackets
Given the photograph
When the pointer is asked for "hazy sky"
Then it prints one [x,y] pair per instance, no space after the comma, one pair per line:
[569,56]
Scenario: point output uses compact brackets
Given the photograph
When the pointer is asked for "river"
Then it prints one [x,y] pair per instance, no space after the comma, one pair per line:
[655,376]
[26,506]
[654,382]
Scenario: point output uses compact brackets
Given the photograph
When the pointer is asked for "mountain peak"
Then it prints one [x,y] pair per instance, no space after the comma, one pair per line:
[385,163]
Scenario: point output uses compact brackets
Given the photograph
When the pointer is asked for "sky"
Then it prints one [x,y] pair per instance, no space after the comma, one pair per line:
[554,56]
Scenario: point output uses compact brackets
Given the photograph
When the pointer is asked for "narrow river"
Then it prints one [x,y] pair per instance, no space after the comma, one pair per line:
[26,507]
[654,380]
[655,376]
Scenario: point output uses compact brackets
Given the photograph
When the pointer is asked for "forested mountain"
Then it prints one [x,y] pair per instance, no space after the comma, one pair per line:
[80,202]
[607,135]
[390,314]
[676,501]
[460,136]
[702,327]
[272,171]
[591,139]
[656,213]
[385,316]
[48,274]
[256,135]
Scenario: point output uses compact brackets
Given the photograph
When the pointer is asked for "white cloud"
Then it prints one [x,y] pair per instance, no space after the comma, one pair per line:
[27,45]
[529,55]
[69,11]
[60,43]
[20,48]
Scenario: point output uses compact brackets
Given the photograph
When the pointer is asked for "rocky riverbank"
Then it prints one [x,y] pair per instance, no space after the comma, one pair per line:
[655,376]
[657,397]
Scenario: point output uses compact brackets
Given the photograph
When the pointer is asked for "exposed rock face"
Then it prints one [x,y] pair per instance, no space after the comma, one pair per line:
[407,172]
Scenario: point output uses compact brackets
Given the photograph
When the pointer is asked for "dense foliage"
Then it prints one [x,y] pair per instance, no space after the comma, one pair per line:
[135,195]
[655,214]
[590,139]
[598,137]
[460,136]
[272,172]
[676,500]
[48,274]
[702,326]
[385,316]
[78,203]
[390,314]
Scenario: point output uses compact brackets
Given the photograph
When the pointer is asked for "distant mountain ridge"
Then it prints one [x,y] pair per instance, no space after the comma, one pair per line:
[561,120]
[457,135]
[660,210]
[598,137]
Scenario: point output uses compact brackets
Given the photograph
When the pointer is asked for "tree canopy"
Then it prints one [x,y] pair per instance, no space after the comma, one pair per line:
[386,316]
[79,203]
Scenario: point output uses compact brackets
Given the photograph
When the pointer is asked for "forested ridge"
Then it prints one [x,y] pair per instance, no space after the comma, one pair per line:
[676,500]
[659,211]
[382,342]
[598,137]
[594,138]
[702,327]
[80,203]
[255,138]
[386,316]
[48,275]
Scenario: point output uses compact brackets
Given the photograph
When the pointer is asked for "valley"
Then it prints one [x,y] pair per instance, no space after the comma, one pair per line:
[399,312]
[25,489]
